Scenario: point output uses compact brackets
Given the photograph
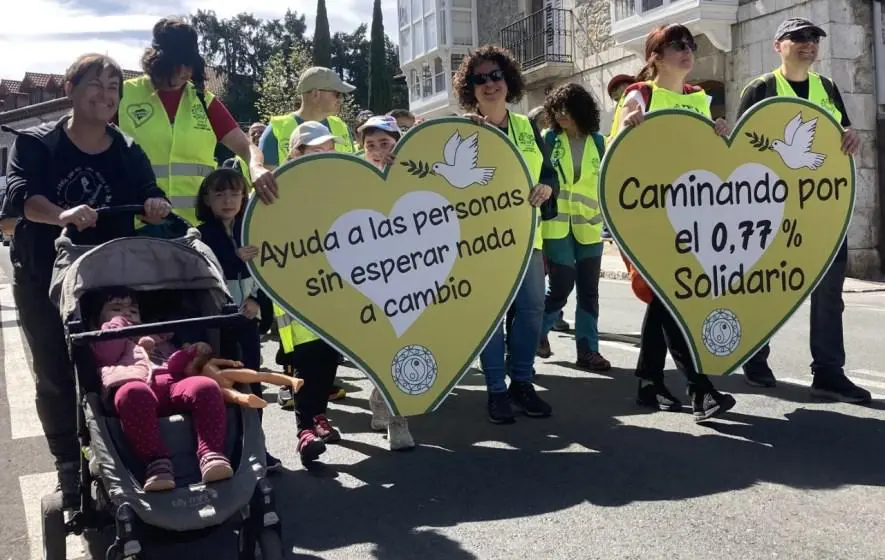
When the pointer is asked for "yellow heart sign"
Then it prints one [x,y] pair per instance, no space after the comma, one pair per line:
[407,271]
[731,234]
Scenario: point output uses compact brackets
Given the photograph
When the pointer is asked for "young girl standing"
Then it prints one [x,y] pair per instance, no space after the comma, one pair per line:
[220,204]
[378,136]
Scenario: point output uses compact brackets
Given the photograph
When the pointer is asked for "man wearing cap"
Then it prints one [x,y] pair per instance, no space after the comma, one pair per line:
[321,91]
[797,41]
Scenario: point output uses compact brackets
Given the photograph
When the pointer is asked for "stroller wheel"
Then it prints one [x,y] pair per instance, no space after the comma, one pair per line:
[54,531]
[270,545]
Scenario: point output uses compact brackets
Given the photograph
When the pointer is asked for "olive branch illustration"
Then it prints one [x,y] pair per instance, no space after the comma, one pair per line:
[419,169]
[759,141]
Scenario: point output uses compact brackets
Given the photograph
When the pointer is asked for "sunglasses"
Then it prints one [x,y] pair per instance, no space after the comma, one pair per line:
[493,76]
[802,37]
[682,45]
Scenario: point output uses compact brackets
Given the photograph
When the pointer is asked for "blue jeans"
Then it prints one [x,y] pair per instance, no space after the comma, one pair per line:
[827,344]
[528,312]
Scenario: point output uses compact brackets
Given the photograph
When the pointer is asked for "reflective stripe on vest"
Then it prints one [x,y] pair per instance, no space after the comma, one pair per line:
[577,203]
[521,133]
[283,126]
[292,333]
[817,93]
[181,155]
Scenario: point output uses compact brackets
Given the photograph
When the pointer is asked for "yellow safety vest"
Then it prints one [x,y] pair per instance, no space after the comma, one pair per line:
[244,170]
[663,98]
[181,155]
[519,128]
[283,126]
[292,333]
[577,203]
[817,93]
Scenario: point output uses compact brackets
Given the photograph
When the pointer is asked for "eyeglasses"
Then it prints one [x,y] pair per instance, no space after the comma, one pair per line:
[682,45]
[805,36]
[337,94]
[481,79]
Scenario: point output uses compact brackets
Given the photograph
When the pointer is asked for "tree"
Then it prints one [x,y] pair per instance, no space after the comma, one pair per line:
[322,42]
[379,76]
[399,88]
[350,59]
[276,92]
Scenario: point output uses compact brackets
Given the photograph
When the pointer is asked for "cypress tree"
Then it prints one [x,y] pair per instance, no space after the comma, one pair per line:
[322,39]
[379,80]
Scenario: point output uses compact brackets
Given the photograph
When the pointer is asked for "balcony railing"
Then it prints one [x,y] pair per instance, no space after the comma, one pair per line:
[546,36]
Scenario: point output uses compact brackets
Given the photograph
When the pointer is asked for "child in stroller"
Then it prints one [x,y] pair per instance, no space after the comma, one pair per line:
[139,392]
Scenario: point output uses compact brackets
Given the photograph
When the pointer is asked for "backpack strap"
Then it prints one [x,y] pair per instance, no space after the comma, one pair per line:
[600,144]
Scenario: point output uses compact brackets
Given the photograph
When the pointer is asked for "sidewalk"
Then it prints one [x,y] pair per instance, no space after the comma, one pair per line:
[613,269]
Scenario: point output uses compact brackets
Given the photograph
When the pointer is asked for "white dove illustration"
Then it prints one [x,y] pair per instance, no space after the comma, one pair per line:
[460,168]
[795,149]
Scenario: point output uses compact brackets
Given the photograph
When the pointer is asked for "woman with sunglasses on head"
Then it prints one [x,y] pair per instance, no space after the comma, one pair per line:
[669,57]
[486,82]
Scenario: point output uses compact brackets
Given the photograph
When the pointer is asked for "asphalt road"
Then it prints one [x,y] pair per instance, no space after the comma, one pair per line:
[780,477]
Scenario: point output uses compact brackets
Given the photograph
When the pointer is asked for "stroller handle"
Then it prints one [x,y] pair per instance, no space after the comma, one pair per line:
[214,321]
[70,230]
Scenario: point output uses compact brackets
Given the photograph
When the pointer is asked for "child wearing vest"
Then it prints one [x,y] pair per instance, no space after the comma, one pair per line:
[220,204]
[378,137]
[669,54]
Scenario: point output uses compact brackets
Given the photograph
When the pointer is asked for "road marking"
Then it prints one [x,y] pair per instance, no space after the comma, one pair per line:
[33,487]
[20,389]
[807,383]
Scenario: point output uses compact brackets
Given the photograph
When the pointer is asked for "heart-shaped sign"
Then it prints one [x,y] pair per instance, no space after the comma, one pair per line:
[140,113]
[731,234]
[407,271]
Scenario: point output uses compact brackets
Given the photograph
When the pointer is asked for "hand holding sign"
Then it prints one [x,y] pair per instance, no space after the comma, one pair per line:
[406,271]
[732,234]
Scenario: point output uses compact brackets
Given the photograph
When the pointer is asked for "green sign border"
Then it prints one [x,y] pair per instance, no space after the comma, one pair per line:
[735,134]
[528,251]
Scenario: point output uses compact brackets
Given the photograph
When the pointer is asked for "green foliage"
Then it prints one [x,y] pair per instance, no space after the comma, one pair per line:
[322,42]
[379,76]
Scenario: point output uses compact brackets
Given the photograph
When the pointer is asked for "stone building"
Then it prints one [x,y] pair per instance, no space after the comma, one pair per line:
[589,41]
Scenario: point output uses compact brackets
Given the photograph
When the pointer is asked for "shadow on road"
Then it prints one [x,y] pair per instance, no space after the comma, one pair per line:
[467,470]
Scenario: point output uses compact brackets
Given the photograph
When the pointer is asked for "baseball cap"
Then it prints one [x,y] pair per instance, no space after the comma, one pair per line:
[618,80]
[384,122]
[319,77]
[792,25]
[312,133]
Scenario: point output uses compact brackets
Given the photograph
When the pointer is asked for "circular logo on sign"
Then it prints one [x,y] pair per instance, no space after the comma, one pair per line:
[414,369]
[722,332]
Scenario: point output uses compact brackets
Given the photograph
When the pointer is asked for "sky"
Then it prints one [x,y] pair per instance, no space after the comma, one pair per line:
[47,35]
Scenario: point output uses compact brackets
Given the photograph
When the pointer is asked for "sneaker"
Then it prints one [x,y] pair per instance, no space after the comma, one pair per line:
[159,476]
[562,325]
[500,411]
[310,446]
[399,438]
[656,395]
[286,398]
[380,413]
[592,361]
[215,467]
[606,234]
[543,350]
[337,393]
[273,465]
[838,387]
[760,377]
[710,404]
[524,397]
[324,429]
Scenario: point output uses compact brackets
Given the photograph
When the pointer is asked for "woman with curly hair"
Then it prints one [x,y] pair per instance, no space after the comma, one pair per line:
[573,239]
[174,119]
[489,79]
[661,84]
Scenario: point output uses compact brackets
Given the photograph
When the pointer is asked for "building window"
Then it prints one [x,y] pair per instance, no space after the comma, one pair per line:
[416,85]
[405,50]
[462,27]
[623,9]
[418,39]
[404,14]
[456,61]
[439,75]
[430,32]
[427,80]
[442,22]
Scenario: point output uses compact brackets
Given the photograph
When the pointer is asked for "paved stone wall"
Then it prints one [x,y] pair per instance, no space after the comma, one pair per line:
[492,16]
[846,56]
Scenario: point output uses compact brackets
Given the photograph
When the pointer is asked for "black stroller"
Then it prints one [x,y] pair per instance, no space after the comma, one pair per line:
[234,518]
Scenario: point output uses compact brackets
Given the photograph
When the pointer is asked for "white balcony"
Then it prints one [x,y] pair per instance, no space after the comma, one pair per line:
[633,19]
[427,27]
[430,84]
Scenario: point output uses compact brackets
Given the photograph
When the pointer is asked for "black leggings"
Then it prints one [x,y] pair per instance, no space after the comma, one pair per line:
[660,333]
[316,363]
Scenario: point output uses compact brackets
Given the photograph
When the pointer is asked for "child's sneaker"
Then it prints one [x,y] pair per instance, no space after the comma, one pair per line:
[310,446]
[159,476]
[215,467]
[324,429]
